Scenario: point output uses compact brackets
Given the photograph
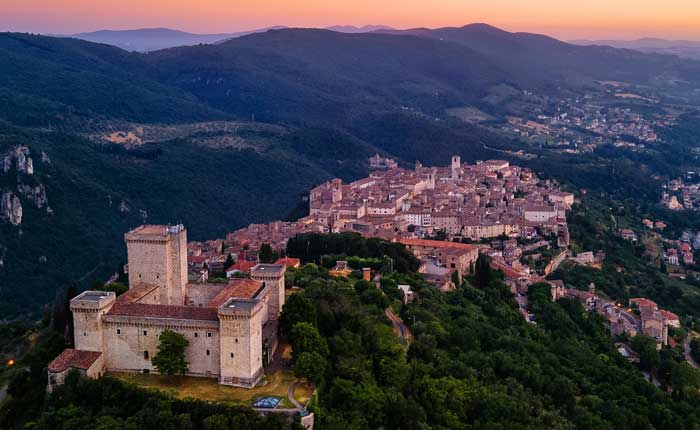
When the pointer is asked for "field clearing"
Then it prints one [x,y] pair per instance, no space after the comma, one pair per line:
[208,389]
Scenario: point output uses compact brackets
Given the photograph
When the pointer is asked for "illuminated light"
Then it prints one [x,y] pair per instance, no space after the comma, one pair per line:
[11,363]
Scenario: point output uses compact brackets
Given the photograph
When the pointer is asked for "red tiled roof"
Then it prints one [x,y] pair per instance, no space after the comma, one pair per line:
[437,244]
[164,311]
[196,259]
[75,358]
[242,266]
[669,315]
[643,302]
[136,293]
[289,262]
[238,288]
[508,271]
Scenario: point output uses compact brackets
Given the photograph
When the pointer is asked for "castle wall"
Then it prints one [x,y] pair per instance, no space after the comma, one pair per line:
[201,294]
[126,342]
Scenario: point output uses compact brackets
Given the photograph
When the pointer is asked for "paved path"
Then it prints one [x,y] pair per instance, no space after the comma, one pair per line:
[399,325]
[290,396]
[688,356]
[3,393]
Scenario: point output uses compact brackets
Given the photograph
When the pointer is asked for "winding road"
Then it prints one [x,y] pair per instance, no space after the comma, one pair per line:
[399,325]
[686,352]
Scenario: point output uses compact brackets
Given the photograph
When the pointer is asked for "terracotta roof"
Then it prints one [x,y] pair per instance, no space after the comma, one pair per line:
[164,311]
[238,288]
[136,293]
[289,262]
[242,266]
[643,302]
[74,358]
[669,315]
[436,244]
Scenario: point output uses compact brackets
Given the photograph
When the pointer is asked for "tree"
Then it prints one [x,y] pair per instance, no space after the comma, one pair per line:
[695,349]
[646,348]
[482,272]
[310,366]
[266,254]
[229,262]
[306,338]
[170,358]
[297,309]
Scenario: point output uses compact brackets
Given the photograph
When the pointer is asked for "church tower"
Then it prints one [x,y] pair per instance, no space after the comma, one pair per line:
[456,166]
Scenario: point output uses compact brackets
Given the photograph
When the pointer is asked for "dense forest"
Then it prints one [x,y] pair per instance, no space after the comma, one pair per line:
[474,362]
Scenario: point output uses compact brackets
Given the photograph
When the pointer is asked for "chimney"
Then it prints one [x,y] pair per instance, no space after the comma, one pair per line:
[367,274]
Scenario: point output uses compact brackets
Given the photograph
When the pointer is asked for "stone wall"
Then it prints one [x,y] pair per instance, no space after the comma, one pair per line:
[127,338]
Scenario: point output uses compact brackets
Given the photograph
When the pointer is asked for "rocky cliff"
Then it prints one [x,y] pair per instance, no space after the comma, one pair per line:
[11,208]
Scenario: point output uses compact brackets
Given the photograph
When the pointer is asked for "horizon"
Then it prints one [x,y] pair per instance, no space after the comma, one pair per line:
[623,20]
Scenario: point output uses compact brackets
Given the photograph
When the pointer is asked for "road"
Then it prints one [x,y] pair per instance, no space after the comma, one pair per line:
[290,396]
[631,318]
[399,325]
[688,355]
[522,305]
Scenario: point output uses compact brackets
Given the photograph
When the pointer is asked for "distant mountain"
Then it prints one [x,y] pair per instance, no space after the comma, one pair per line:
[354,29]
[537,57]
[681,48]
[153,39]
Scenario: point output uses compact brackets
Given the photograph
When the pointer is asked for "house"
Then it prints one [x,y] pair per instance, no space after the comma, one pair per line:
[628,234]
[408,294]
[87,363]
[671,257]
[239,268]
[291,263]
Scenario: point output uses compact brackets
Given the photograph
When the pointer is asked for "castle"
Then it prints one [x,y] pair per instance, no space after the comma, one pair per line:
[231,327]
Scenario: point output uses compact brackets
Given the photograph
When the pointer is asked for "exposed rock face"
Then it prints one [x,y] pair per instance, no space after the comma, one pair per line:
[21,159]
[35,194]
[11,208]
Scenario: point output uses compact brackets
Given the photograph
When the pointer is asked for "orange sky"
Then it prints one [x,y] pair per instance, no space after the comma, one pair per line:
[565,19]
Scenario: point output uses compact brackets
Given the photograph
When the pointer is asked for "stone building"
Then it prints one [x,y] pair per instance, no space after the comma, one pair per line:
[231,327]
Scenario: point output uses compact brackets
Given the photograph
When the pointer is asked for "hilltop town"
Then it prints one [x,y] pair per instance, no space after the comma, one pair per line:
[501,209]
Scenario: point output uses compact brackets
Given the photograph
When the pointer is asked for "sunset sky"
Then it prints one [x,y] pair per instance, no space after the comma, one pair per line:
[565,19]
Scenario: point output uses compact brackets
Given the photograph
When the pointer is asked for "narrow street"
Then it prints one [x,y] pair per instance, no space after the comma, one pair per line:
[686,352]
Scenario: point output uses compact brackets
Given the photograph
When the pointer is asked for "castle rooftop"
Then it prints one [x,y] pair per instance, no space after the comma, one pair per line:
[269,269]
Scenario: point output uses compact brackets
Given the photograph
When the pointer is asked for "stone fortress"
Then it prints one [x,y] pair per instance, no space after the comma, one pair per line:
[231,327]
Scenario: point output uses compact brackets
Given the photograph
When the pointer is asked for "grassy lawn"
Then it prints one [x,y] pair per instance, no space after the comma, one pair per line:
[303,392]
[208,389]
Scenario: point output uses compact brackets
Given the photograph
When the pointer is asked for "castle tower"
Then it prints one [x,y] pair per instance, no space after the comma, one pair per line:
[272,275]
[88,309]
[157,255]
[240,334]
